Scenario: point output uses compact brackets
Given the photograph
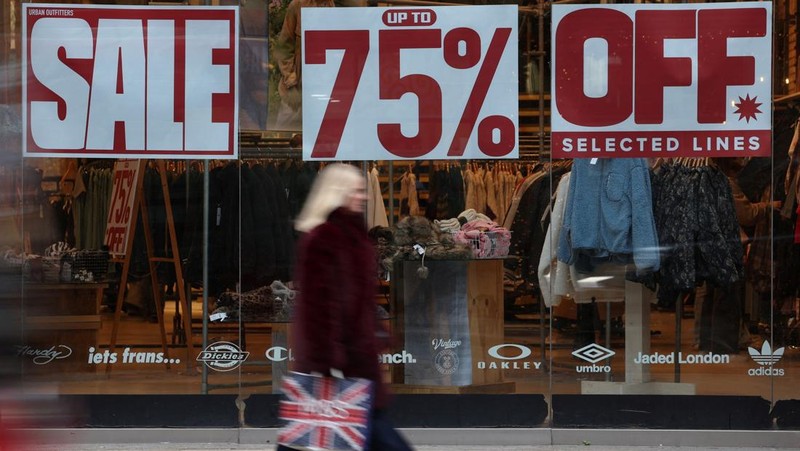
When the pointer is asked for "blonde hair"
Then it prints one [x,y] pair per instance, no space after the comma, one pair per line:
[330,190]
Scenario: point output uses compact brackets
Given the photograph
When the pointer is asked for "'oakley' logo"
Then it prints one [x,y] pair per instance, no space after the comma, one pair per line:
[524,352]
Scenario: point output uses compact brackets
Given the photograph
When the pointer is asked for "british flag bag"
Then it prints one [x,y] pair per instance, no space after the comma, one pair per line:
[325,413]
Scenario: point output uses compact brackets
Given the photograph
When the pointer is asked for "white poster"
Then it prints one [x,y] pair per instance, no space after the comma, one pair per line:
[410,83]
[677,80]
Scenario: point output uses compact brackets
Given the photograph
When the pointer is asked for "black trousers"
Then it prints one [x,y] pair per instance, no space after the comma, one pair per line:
[721,318]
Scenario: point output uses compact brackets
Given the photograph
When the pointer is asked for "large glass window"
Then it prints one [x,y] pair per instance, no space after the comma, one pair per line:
[490,278]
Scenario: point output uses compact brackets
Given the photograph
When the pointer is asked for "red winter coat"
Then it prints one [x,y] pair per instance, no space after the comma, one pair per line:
[335,316]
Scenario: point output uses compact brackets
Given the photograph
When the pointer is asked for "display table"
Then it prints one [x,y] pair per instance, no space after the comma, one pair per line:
[61,319]
[449,321]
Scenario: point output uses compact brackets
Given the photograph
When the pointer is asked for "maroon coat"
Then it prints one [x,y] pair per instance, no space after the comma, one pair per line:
[335,316]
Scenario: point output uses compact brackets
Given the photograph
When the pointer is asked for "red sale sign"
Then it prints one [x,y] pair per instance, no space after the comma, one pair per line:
[410,83]
[128,81]
[688,80]
[121,211]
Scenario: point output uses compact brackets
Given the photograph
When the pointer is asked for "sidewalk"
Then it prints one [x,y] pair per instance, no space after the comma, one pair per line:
[224,447]
[489,439]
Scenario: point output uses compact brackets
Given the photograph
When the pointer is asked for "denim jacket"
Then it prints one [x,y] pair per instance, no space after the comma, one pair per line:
[609,214]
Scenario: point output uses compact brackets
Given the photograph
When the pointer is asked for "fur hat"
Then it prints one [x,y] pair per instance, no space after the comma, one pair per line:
[438,245]
[414,230]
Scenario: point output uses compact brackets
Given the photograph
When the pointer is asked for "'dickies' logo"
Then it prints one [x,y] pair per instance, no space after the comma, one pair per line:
[222,356]
[766,357]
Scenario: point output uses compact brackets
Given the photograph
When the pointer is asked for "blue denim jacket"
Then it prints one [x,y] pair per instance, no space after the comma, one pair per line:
[609,214]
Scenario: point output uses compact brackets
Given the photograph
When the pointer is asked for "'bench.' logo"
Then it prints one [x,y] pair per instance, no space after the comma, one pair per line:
[44,356]
[398,357]
[223,356]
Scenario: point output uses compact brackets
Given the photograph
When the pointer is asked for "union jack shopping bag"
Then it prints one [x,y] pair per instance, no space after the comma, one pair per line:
[325,413]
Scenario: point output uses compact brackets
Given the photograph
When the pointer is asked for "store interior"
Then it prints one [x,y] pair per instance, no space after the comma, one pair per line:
[503,309]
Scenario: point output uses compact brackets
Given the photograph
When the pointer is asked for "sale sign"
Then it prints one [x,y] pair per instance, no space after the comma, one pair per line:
[410,83]
[121,213]
[129,81]
[677,80]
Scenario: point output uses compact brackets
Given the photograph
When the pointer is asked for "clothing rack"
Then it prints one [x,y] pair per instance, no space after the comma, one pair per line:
[247,153]
[683,297]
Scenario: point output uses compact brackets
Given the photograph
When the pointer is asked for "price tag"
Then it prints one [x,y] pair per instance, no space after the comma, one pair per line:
[121,210]
[410,83]
[222,316]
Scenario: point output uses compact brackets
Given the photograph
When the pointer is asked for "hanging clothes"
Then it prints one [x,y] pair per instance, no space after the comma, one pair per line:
[557,279]
[529,223]
[376,210]
[282,219]
[446,193]
[470,188]
[91,200]
[614,223]
[266,234]
[553,273]
[481,189]
[492,204]
[697,228]
[409,199]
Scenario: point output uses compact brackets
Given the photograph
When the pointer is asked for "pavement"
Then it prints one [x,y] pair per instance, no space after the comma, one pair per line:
[225,447]
[489,439]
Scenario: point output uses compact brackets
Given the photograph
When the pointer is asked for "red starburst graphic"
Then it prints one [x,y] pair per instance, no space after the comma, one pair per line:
[747,108]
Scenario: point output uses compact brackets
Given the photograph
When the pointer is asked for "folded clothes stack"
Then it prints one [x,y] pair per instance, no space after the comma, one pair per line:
[486,238]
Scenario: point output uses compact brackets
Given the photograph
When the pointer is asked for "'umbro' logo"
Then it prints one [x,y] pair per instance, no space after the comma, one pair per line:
[593,353]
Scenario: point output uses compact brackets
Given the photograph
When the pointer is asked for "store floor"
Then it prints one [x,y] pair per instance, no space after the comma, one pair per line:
[255,376]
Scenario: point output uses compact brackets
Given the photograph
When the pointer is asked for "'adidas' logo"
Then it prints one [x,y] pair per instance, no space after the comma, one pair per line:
[766,356]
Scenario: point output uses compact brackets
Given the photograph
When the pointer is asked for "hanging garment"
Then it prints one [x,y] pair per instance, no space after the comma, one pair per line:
[409,200]
[263,209]
[697,229]
[557,279]
[613,223]
[285,243]
[455,185]
[553,273]
[376,210]
[517,197]
[470,187]
[491,194]
[527,229]
[480,190]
